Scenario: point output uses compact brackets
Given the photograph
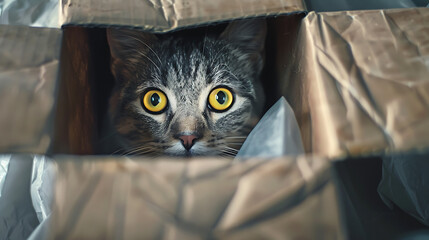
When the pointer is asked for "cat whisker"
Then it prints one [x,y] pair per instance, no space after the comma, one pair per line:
[235,144]
[156,55]
[233,153]
[218,53]
[237,140]
[223,151]
[229,148]
[241,137]
[147,154]
[228,141]
[228,71]
[145,147]
[138,149]
[204,41]
[142,54]
[227,154]
[117,151]
[141,152]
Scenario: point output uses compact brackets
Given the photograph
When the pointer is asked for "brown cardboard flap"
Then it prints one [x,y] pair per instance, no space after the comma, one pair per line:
[28,78]
[201,198]
[156,15]
[368,87]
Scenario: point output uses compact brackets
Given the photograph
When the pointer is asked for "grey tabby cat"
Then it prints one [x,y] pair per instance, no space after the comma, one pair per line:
[183,95]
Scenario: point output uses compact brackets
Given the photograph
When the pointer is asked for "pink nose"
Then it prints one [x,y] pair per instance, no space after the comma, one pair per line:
[188,141]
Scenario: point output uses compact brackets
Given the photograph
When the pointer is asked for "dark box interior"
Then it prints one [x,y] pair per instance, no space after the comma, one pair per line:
[363,212]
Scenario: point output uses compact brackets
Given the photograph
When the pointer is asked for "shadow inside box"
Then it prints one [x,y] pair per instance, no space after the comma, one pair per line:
[363,211]
[348,5]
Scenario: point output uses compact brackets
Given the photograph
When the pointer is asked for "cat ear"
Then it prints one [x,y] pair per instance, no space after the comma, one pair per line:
[249,34]
[123,43]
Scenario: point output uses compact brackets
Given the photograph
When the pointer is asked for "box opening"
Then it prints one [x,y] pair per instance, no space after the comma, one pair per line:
[86,80]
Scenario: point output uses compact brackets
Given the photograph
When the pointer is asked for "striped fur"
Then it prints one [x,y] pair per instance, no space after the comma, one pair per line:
[186,69]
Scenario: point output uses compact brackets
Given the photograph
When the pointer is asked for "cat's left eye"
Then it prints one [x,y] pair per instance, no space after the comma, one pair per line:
[220,99]
[154,101]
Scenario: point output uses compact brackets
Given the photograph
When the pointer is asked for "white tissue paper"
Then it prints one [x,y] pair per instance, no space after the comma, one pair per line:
[17,216]
[4,165]
[42,186]
[277,134]
[25,202]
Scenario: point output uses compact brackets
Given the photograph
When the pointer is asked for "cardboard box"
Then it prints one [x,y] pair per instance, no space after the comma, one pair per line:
[197,199]
[29,66]
[357,81]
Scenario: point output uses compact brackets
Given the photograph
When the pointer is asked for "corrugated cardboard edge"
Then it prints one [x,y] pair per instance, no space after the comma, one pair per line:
[164,16]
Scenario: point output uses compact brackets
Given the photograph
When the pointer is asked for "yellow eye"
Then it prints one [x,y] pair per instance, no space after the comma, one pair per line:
[220,99]
[154,101]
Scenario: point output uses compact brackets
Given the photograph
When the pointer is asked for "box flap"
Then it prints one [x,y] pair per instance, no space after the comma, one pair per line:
[164,15]
[369,88]
[200,198]
[156,15]
[28,77]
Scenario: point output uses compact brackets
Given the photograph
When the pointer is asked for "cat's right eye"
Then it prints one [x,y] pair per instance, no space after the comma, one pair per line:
[154,101]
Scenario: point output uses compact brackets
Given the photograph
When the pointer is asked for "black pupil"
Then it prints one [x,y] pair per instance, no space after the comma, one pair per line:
[155,99]
[221,97]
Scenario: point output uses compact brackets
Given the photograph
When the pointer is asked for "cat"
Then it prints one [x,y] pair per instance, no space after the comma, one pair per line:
[180,95]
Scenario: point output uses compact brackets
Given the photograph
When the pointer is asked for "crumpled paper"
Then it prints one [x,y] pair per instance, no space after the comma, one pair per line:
[405,183]
[42,194]
[17,216]
[277,134]
[4,165]
[35,13]
[21,210]
[42,186]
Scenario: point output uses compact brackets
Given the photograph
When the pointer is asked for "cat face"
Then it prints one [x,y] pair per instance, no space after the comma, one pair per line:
[183,95]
